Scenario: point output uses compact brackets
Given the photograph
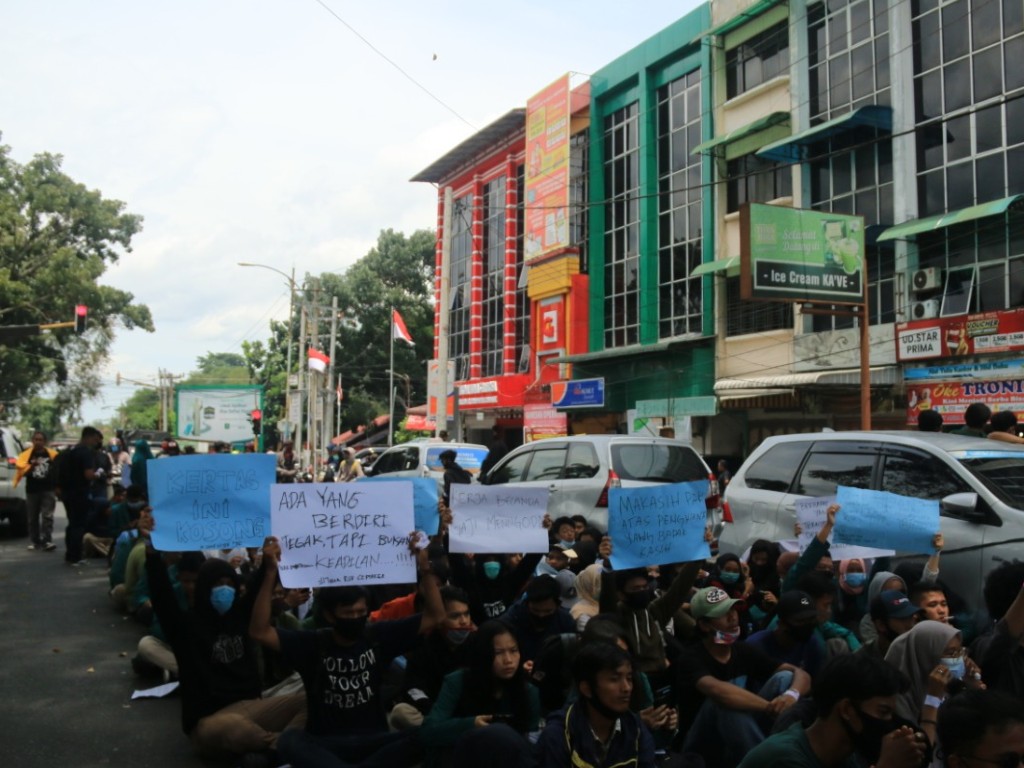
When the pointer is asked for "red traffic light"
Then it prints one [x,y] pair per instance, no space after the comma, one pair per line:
[257,413]
[81,315]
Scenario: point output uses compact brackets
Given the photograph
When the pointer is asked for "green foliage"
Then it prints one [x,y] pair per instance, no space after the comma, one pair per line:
[57,239]
[38,413]
[141,410]
[265,365]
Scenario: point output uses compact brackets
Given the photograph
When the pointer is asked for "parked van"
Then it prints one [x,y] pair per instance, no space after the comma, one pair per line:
[422,458]
[979,484]
[12,499]
[580,470]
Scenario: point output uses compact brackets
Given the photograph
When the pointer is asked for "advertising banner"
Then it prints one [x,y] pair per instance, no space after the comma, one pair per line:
[217,413]
[951,398]
[541,421]
[547,170]
[552,324]
[579,393]
[983,333]
[434,391]
[798,255]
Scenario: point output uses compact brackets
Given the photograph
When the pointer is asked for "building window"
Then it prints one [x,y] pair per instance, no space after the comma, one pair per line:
[848,57]
[492,330]
[622,228]
[743,317]
[522,298]
[459,285]
[753,180]
[758,60]
[679,207]
[967,53]
[579,185]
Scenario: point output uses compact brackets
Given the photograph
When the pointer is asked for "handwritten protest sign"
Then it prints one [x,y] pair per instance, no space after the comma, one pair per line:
[497,518]
[424,499]
[658,524]
[811,514]
[880,519]
[212,501]
[343,533]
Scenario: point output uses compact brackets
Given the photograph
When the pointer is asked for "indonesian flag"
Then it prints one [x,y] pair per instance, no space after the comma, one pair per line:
[398,329]
[318,361]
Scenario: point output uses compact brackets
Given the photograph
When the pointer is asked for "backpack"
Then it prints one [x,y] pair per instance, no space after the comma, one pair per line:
[63,469]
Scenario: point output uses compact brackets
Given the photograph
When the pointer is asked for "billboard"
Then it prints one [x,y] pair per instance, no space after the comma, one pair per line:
[961,335]
[217,413]
[547,170]
[951,398]
[788,254]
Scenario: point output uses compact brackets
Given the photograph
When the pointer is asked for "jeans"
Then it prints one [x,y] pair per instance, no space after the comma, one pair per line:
[374,750]
[733,731]
[40,505]
[78,515]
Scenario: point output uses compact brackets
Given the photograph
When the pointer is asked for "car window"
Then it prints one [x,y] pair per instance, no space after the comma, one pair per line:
[582,462]
[1001,472]
[547,464]
[657,462]
[388,462]
[410,458]
[775,470]
[824,472]
[511,471]
[914,473]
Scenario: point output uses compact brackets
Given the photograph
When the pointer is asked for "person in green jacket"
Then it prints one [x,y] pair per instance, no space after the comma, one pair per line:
[487,708]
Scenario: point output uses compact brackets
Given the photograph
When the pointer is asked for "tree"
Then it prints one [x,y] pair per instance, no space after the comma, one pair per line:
[39,413]
[57,239]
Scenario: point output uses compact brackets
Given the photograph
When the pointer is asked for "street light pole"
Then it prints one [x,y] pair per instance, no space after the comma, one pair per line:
[288,363]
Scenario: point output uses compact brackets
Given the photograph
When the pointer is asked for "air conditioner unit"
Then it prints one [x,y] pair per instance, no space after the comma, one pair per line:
[924,310]
[927,279]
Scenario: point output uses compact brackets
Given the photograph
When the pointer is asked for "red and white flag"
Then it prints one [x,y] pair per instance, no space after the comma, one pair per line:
[398,329]
[318,361]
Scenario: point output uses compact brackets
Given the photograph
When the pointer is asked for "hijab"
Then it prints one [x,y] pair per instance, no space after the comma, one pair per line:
[588,592]
[916,653]
[844,566]
[875,587]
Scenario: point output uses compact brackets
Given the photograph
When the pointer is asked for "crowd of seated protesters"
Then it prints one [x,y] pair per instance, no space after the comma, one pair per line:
[558,659]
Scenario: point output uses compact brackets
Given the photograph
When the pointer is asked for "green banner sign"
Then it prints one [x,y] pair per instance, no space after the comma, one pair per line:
[798,255]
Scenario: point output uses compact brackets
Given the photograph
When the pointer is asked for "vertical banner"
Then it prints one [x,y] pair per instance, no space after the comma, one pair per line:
[547,170]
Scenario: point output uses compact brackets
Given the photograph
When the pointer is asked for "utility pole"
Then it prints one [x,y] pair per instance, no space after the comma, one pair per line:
[313,407]
[335,370]
[302,370]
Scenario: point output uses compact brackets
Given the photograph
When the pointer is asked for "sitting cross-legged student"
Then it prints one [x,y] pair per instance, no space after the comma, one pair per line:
[342,668]
[598,729]
[477,706]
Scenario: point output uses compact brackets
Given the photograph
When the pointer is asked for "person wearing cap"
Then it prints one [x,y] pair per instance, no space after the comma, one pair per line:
[537,617]
[793,640]
[892,614]
[721,715]
[453,473]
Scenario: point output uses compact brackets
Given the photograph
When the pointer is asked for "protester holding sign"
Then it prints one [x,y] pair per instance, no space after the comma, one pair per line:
[342,668]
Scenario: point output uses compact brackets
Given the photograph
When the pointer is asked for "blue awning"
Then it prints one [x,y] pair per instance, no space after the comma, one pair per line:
[791,149]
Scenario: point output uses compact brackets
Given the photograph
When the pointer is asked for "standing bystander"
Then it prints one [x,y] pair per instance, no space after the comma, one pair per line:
[36,465]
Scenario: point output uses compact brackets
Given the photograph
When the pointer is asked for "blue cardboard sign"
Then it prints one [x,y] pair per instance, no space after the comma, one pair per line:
[212,501]
[658,524]
[579,393]
[424,500]
[885,520]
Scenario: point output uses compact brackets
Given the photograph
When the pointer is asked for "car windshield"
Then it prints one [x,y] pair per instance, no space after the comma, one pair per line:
[657,463]
[469,459]
[1002,472]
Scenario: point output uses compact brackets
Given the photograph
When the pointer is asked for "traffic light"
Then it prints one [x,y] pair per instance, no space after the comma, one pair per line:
[257,421]
[81,315]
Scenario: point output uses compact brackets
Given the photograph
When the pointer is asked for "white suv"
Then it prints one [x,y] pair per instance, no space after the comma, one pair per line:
[580,470]
[12,499]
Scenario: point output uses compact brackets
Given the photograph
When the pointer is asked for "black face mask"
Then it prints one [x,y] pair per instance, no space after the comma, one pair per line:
[350,629]
[801,634]
[541,623]
[639,600]
[868,743]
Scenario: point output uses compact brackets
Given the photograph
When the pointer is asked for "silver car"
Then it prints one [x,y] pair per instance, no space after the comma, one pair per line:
[580,470]
[979,484]
[12,499]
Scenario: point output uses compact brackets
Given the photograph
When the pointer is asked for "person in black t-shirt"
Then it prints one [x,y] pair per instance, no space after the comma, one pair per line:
[716,707]
[37,467]
[342,668]
[75,477]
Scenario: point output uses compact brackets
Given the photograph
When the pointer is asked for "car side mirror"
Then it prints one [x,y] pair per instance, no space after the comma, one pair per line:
[963,505]
[484,478]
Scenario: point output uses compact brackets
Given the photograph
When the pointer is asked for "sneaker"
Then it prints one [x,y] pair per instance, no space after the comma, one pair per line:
[31,547]
[50,546]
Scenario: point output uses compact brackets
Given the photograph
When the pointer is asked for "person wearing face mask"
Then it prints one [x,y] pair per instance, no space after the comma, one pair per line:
[852,595]
[794,641]
[932,657]
[855,725]
[221,708]
[538,616]
[598,729]
[443,651]
[719,714]
[892,614]
[342,669]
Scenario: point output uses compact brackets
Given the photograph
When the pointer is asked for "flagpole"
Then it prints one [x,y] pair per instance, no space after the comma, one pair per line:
[391,381]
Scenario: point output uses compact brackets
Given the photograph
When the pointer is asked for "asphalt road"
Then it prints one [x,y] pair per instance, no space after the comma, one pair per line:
[65,673]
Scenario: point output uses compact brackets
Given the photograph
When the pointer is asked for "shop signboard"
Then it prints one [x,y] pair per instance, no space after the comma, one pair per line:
[547,170]
[961,335]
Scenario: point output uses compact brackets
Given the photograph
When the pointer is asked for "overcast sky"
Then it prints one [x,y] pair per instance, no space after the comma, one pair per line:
[270,132]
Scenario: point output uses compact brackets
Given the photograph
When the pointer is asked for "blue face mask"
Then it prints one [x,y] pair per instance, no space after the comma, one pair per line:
[729,578]
[459,636]
[491,569]
[222,598]
[855,579]
[567,544]
[956,666]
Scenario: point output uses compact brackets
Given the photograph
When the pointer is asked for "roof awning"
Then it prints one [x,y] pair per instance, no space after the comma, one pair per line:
[775,118]
[731,267]
[887,375]
[982,210]
[792,148]
[739,20]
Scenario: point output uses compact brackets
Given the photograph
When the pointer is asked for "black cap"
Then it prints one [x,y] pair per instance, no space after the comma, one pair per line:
[897,605]
[796,606]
